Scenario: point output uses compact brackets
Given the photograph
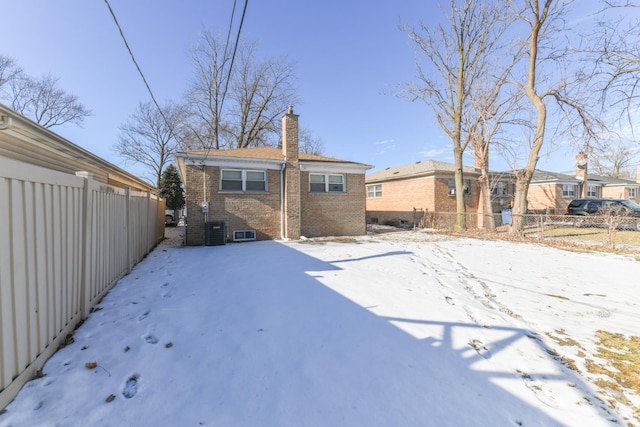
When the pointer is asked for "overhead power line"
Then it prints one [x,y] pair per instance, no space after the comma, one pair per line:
[133,58]
[233,55]
[144,79]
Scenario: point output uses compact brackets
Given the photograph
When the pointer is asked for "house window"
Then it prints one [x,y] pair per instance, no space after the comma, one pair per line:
[452,187]
[374,191]
[568,190]
[501,188]
[632,193]
[326,183]
[592,191]
[243,180]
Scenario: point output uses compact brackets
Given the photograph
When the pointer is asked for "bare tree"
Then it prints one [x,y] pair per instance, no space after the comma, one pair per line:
[493,107]
[567,88]
[237,106]
[45,102]
[615,160]
[460,53]
[9,71]
[211,62]
[309,143]
[151,137]
[261,91]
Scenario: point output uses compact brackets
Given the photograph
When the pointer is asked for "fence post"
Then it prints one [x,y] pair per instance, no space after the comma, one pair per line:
[127,221]
[87,238]
[149,223]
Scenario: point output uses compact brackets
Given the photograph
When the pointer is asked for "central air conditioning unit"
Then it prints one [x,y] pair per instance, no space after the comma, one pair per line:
[215,233]
[244,235]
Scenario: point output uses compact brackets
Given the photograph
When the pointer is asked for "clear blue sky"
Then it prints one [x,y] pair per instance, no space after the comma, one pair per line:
[348,55]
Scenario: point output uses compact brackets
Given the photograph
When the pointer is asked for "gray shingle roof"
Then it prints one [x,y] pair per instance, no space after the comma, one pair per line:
[419,168]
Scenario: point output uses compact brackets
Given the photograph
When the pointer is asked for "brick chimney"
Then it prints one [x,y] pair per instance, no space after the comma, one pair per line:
[638,174]
[581,172]
[291,175]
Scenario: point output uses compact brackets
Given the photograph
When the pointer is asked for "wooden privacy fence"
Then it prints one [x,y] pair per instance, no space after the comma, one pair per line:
[64,242]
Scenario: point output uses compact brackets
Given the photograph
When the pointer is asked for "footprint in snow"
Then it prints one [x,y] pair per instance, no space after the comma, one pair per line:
[151,339]
[131,387]
[480,348]
[143,315]
[537,387]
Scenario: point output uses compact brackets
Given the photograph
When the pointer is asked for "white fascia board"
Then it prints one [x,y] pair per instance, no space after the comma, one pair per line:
[234,162]
[333,167]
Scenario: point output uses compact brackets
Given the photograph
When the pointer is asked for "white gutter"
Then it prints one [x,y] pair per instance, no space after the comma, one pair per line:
[5,122]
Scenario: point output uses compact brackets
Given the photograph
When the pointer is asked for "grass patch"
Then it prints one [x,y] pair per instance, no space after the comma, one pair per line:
[624,355]
[596,235]
[564,339]
[557,296]
[618,368]
[621,375]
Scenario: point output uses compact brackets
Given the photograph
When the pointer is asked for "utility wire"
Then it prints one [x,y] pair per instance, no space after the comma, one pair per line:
[169,125]
[138,67]
[235,49]
[153,98]
[233,56]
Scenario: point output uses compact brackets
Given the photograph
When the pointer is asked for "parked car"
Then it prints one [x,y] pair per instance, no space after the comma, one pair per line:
[626,212]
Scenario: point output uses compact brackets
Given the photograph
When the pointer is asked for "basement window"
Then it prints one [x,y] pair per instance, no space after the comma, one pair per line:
[326,183]
[244,235]
[243,180]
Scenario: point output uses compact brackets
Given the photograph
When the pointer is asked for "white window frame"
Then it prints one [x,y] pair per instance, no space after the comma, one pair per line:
[243,179]
[592,191]
[569,190]
[452,187]
[632,192]
[327,184]
[374,191]
[501,188]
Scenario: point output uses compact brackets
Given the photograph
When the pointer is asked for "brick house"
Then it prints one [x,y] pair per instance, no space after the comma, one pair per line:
[552,192]
[272,193]
[399,195]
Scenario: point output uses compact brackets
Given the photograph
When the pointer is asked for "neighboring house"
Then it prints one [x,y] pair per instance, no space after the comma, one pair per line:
[272,193]
[399,195]
[552,192]
[26,141]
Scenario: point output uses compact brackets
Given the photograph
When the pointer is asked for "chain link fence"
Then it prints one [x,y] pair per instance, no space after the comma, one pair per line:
[600,230]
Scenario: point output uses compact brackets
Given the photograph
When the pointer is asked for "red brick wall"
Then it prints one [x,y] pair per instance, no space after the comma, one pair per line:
[333,214]
[399,198]
[619,193]
[548,196]
[242,211]
[322,214]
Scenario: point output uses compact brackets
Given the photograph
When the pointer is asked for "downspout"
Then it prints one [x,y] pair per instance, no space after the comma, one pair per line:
[204,189]
[282,200]
[5,122]
[299,204]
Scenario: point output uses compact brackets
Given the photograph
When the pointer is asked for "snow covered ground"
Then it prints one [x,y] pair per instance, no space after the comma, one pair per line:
[402,329]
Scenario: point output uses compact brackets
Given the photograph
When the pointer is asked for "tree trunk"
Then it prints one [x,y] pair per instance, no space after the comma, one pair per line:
[488,219]
[523,176]
[461,211]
